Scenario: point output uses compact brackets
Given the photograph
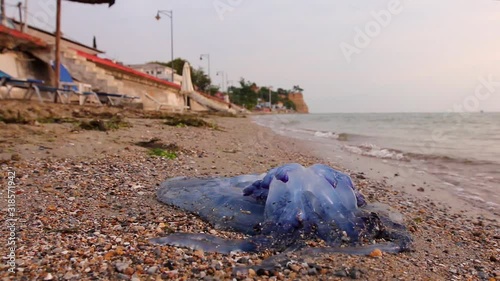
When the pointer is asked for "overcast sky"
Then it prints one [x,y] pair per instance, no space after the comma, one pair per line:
[348,55]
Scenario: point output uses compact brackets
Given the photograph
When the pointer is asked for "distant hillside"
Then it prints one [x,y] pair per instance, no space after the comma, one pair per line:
[298,100]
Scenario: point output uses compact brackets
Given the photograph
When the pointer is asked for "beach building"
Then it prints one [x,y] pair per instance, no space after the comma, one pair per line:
[157,70]
[30,55]
[50,39]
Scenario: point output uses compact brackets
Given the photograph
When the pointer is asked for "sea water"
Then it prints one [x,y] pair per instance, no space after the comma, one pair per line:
[462,150]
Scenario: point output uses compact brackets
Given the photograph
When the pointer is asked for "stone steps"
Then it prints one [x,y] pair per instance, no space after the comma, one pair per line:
[89,73]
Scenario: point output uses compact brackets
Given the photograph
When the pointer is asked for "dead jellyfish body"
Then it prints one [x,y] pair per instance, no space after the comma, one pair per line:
[281,210]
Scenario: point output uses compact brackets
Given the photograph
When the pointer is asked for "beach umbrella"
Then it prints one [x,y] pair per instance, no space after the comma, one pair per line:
[110,2]
[187,83]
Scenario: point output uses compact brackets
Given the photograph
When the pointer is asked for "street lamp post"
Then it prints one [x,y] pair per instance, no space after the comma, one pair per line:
[170,14]
[208,58]
[270,104]
[222,74]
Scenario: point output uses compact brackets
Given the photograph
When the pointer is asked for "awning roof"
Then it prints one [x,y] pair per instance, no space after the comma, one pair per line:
[11,38]
[110,2]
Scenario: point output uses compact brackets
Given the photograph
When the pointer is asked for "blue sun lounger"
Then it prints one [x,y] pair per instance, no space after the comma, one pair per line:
[115,99]
[67,82]
[32,86]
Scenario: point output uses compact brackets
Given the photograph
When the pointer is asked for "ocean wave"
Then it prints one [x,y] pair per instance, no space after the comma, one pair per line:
[377,152]
[321,134]
[395,154]
[448,159]
[332,135]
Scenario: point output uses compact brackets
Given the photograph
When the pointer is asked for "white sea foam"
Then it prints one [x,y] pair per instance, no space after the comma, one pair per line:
[375,151]
[321,134]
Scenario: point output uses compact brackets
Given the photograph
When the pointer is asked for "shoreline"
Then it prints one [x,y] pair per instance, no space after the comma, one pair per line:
[86,206]
[410,180]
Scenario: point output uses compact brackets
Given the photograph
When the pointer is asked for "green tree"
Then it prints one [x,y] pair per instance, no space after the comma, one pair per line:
[201,80]
[289,104]
[212,90]
[298,89]
[244,94]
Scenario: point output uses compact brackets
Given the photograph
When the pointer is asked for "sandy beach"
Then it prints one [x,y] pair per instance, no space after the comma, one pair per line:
[85,203]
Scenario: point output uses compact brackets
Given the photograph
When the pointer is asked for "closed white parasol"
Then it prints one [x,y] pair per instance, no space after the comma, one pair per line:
[187,84]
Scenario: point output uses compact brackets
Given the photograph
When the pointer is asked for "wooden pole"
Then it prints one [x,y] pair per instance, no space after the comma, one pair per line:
[25,23]
[58,46]
[19,7]
[3,20]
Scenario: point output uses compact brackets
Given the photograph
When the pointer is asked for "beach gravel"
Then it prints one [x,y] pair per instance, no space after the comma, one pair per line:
[86,206]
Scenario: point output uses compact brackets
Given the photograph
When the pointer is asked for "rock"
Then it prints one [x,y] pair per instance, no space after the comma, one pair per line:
[242,260]
[121,266]
[139,228]
[199,253]
[312,271]
[355,273]
[69,276]
[377,253]
[340,273]
[293,267]
[152,270]
[129,271]
[57,250]
[421,189]
[251,273]
[48,276]
[119,250]
[122,276]
[262,271]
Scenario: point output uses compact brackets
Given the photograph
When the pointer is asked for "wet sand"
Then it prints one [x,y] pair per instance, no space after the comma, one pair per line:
[85,205]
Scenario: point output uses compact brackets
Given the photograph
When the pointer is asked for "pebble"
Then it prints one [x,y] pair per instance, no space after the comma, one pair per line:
[121,266]
[377,253]
[294,267]
[122,276]
[69,276]
[312,271]
[105,221]
[139,228]
[152,270]
[355,273]
[48,276]
[251,273]
[340,273]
